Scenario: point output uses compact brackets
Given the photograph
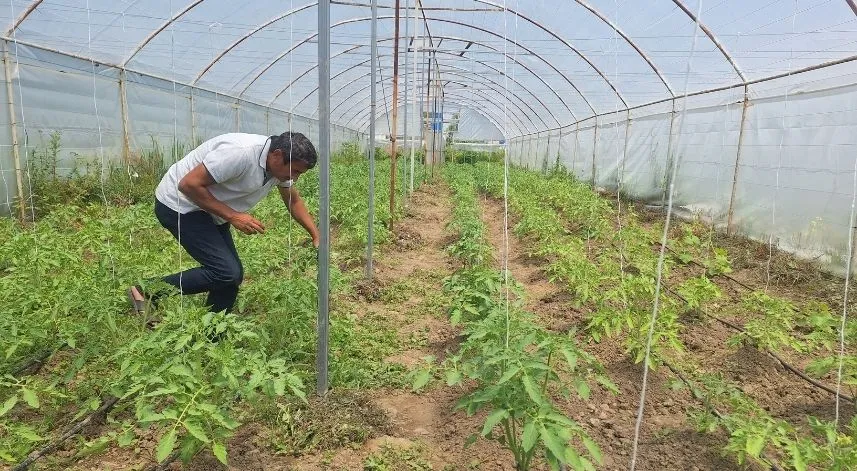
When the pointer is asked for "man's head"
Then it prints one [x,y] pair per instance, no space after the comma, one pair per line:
[290,155]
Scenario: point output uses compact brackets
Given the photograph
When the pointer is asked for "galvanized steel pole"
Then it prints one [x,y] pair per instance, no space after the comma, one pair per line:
[394,108]
[413,97]
[407,43]
[370,239]
[324,193]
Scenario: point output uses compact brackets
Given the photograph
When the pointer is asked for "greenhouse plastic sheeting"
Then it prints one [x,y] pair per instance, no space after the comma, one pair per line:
[795,177]
[794,182]
[594,84]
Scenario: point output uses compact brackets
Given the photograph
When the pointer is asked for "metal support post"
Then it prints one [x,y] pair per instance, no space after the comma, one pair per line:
[576,146]
[413,98]
[594,151]
[621,172]
[547,154]
[370,239]
[192,119]
[407,42]
[667,174]
[394,108]
[324,193]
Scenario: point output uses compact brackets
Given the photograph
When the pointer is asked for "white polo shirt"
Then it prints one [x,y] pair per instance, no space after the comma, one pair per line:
[236,161]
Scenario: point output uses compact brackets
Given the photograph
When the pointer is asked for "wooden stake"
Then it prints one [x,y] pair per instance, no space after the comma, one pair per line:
[731,212]
[13,126]
[123,108]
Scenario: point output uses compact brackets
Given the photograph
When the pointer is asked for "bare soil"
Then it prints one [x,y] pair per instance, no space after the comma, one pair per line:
[416,260]
[761,268]
[668,441]
[415,263]
[429,420]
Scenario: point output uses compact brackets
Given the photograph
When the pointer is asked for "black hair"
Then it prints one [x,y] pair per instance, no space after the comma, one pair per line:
[295,145]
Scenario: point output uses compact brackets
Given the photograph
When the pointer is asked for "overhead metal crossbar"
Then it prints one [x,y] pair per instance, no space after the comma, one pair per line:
[438,15]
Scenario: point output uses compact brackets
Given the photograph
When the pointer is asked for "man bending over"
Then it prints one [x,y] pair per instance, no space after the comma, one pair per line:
[211,189]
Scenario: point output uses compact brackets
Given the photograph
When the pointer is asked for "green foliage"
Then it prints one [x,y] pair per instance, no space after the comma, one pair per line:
[189,391]
[698,291]
[473,157]
[348,153]
[773,325]
[755,436]
[391,458]
[57,180]
[751,430]
[64,278]
[717,262]
[516,367]
[472,246]
[564,219]
[691,247]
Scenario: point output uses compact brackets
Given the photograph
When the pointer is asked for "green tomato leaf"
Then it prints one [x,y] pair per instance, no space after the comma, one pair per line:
[166,445]
[493,419]
[755,444]
[798,461]
[30,397]
[593,449]
[531,434]
[453,377]
[196,430]
[572,457]
[582,388]
[554,445]
[532,389]
[29,434]
[126,438]
[280,385]
[8,405]
[219,452]
[509,374]
[421,379]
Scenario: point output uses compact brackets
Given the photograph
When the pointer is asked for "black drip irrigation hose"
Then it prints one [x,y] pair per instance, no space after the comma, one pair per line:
[32,362]
[714,411]
[719,275]
[773,355]
[738,328]
[109,404]
[164,465]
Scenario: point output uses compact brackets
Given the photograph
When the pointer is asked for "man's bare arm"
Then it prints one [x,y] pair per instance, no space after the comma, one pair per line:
[297,209]
[195,185]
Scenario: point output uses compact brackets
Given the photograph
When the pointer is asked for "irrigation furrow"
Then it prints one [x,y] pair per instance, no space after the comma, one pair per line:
[109,404]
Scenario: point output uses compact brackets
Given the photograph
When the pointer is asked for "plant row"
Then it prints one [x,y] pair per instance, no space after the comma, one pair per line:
[606,260]
[62,284]
[512,368]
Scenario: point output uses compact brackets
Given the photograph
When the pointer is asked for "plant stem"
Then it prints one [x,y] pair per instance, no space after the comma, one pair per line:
[510,441]
[548,373]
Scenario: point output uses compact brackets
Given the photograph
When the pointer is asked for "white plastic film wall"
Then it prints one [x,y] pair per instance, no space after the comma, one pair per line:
[56,93]
[795,167]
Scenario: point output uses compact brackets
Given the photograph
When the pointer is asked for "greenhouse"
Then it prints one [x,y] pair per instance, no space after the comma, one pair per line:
[508,235]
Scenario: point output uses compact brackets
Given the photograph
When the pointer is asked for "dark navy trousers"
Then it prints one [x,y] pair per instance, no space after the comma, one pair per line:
[211,245]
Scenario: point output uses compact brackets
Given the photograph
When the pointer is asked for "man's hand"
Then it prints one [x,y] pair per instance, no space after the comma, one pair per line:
[246,223]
